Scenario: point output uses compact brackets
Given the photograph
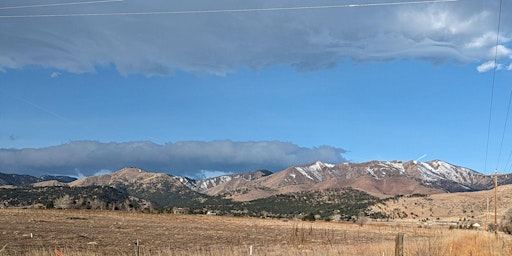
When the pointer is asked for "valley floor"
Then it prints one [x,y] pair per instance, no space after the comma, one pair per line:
[87,232]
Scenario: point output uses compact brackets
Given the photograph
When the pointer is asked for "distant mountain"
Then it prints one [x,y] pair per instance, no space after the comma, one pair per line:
[376,177]
[64,179]
[225,182]
[379,178]
[161,189]
[18,180]
[50,183]
[317,190]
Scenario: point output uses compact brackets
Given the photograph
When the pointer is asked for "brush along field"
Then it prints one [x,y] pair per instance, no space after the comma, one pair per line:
[86,232]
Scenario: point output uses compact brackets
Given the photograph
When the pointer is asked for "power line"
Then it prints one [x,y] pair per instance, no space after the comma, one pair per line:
[508,162]
[492,93]
[504,130]
[60,4]
[272,9]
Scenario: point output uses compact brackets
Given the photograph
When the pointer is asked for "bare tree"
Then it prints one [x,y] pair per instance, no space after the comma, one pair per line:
[506,222]
[361,218]
[63,202]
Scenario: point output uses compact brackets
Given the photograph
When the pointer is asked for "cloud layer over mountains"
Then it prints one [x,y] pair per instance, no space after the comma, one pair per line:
[189,158]
[160,37]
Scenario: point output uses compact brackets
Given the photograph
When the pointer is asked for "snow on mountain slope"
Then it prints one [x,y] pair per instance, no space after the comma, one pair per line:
[436,170]
[378,177]
[314,172]
[435,173]
[190,183]
[382,169]
[206,184]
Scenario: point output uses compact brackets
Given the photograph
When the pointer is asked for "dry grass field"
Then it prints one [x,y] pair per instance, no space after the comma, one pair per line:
[453,206]
[38,232]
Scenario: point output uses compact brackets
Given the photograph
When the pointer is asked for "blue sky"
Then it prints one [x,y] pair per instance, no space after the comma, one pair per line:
[250,90]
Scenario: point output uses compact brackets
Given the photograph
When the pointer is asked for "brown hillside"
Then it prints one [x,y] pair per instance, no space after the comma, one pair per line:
[125,176]
[50,183]
[382,187]
[452,206]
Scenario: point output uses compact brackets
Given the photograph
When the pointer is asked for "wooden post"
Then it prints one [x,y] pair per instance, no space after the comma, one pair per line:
[486,225]
[496,202]
[250,250]
[399,244]
[137,252]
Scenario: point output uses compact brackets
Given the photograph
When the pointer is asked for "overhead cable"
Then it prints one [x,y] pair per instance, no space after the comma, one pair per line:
[272,9]
[492,92]
[59,4]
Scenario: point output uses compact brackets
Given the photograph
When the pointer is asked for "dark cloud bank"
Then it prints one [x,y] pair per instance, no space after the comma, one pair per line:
[219,43]
[189,158]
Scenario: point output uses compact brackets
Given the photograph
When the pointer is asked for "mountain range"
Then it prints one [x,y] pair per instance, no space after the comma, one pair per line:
[17,180]
[380,178]
[321,189]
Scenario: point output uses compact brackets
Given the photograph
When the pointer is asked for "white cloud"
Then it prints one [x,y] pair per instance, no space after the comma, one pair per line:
[190,158]
[486,40]
[487,66]
[222,42]
[501,51]
[55,75]
[209,174]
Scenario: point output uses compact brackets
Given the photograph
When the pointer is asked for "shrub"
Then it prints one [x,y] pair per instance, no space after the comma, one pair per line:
[309,217]
[506,222]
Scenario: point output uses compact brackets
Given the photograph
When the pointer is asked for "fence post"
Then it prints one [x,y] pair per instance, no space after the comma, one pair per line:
[137,252]
[399,244]
[250,250]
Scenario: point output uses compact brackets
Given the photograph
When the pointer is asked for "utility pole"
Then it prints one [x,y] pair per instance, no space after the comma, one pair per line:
[486,225]
[496,201]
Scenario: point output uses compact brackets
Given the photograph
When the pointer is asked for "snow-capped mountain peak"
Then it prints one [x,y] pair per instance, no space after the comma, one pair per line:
[439,170]
[313,171]
[380,177]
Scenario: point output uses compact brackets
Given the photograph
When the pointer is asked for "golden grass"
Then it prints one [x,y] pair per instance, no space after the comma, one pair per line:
[452,206]
[91,233]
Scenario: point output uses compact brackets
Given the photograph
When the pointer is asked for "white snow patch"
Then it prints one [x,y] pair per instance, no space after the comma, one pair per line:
[428,173]
[439,170]
[370,171]
[225,178]
[204,185]
[314,170]
[303,172]
[399,166]
[329,165]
